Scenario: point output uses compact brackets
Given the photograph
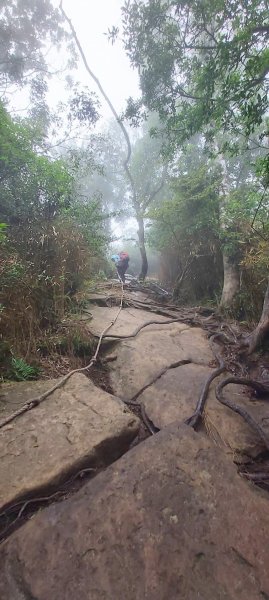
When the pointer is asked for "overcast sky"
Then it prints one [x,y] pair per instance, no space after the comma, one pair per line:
[91,19]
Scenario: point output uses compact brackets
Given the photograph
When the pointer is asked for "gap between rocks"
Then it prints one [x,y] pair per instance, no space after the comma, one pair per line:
[12,518]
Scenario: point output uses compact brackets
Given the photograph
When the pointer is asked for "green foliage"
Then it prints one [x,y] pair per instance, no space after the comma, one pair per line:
[185,228]
[83,106]
[200,63]
[3,227]
[191,215]
[52,240]
[21,371]
[148,166]
[262,169]
[33,186]
[12,271]
[26,27]
[91,219]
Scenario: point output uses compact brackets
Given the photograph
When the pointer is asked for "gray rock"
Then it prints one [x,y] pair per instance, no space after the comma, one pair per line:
[170,520]
[78,426]
[128,320]
[141,358]
[174,396]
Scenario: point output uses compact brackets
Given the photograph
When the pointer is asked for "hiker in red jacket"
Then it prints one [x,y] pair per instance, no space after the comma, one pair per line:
[122,264]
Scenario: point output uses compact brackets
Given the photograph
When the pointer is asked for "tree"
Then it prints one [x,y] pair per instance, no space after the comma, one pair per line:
[185,226]
[32,186]
[26,27]
[203,67]
[200,63]
[109,181]
[149,172]
[237,177]
[135,200]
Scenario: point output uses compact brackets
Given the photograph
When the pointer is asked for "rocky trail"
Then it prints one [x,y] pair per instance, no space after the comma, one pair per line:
[147,492]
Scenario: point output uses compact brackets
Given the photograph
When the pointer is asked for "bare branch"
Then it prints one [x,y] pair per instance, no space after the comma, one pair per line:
[157,190]
[106,98]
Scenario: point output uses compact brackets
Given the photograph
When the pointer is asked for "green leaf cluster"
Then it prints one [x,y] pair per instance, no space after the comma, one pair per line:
[201,64]
[22,371]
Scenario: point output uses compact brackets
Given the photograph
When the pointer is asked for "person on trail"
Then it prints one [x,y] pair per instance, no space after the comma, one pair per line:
[121,261]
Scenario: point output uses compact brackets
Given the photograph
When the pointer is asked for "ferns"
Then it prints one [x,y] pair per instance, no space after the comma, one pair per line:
[21,371]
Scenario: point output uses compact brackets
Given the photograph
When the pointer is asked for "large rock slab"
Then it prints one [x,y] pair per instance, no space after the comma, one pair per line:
[78,426]
[171,519]
[127,322]
[140,359]
[174,396]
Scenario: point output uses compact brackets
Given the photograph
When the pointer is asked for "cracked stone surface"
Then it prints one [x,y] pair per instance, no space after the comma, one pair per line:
[141,358]
[171,519]
[78,426]
[129,319]
[173,397]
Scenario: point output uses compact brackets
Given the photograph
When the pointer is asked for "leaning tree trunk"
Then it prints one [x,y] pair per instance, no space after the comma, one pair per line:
[231,282]
[262,330]
[142,248]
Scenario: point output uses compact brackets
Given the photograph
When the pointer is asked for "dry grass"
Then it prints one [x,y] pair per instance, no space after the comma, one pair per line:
[38,282]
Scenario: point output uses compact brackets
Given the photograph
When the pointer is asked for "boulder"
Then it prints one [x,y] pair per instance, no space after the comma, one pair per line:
[140,359]
[174,396]
[170,519]
[78,426]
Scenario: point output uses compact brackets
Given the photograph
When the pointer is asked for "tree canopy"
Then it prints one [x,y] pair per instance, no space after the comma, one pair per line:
[202,64]
[26,26]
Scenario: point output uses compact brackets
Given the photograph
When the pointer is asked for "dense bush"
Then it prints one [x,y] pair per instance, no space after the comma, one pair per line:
[50,240]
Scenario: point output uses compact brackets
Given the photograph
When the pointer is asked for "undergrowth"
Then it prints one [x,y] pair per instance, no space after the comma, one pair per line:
[58,350]
[22,371]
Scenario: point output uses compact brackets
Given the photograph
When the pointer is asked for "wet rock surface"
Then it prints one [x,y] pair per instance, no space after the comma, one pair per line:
[127,321]
[173,397]
[171,519]
[78,426]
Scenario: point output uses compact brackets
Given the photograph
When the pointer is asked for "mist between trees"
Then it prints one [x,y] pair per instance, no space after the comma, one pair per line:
[187,162]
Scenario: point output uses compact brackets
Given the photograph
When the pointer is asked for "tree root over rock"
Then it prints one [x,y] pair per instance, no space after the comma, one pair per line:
[229,360]
[262,388]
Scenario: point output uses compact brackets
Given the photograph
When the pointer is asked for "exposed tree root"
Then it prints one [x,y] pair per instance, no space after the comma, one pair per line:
[24,506]
[259,387]
[229,360]
[150,426]
[36,401]
[162,372]
[195,419]
[138,329]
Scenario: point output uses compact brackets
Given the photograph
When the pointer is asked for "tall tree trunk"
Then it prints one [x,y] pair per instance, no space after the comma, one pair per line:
[142,247]
[262,330]
[231,281]
[231,273]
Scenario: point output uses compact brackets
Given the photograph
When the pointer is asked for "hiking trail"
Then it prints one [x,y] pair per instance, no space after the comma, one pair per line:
[173,517]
